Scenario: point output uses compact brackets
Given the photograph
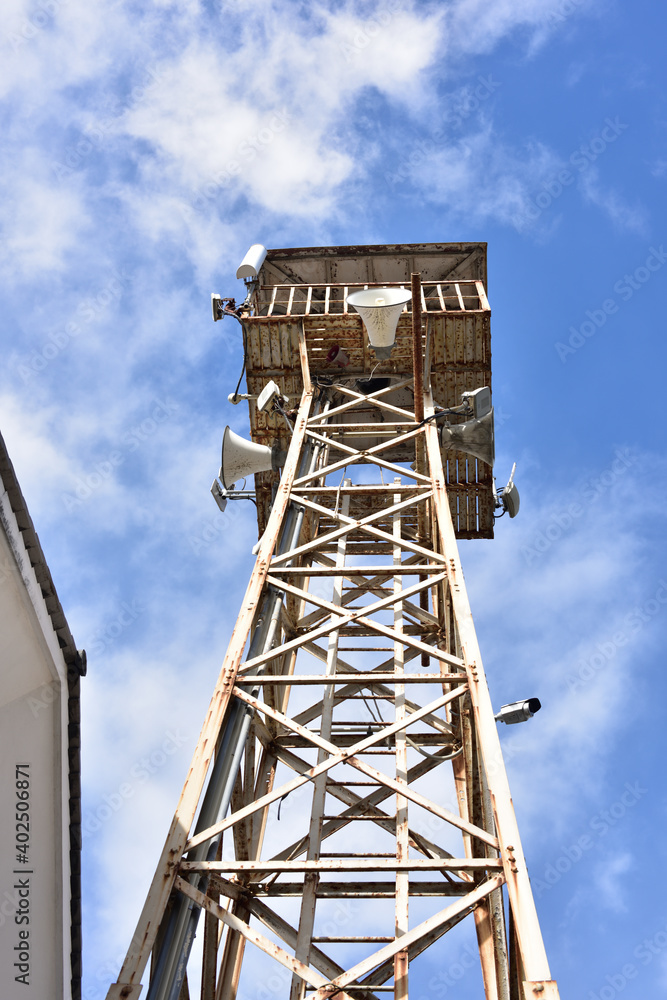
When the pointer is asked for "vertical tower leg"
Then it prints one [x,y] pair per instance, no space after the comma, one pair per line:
[363,577]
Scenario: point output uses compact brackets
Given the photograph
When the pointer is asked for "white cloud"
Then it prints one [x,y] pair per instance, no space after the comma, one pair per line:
[557,608]
[40,222]
[609,881]
[220,130]
[625,217]
[477,26]
[53,44]
[480,177]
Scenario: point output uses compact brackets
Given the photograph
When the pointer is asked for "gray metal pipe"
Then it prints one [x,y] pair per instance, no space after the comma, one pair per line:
[179,934]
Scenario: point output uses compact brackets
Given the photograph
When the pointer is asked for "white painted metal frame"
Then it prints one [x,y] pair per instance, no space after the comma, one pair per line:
[450,727]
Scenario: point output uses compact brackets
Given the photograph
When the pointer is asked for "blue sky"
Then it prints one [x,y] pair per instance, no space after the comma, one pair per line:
[145,148]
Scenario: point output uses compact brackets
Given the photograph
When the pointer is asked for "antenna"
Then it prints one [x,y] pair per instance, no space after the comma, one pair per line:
[508,498]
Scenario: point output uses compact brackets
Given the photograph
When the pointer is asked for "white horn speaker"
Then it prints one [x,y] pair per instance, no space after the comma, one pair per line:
[240,458]
[380,309]
[474,437]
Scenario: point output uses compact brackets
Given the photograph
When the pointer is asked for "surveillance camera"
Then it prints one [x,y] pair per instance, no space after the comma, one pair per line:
[518,711]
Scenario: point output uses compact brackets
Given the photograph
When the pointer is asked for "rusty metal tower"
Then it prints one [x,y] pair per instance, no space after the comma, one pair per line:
[352,695]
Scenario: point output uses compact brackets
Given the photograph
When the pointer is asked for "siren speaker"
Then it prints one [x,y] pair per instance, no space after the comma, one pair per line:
[337,356]
[380,309]
[474,437]
[240,458]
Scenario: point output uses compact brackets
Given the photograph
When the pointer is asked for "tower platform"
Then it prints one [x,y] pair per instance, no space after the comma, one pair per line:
[306,289]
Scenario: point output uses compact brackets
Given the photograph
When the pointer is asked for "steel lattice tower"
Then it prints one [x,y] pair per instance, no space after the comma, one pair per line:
[353,672]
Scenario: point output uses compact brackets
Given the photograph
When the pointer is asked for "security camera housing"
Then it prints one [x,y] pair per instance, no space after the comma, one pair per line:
[518,711]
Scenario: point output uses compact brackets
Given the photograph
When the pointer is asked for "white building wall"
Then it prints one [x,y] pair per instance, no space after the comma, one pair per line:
[34,894]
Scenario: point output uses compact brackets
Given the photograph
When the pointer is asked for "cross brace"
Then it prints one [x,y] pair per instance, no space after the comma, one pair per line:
[376,562]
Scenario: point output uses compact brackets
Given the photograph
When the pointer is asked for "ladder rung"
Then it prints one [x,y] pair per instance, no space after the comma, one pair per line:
[351,987]
[364,724]
[351,938]
[376,784]
[374,817]
[363,697]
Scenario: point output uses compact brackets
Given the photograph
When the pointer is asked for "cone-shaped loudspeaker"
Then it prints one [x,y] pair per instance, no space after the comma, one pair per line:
[337,356]
[240,458]
[380,309]
[474,437]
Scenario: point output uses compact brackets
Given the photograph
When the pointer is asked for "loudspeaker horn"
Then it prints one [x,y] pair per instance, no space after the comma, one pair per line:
[240,458]
[337,356]
[380,309]
[474,437]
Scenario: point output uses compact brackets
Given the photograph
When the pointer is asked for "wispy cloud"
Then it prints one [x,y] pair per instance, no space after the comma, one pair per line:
[624,216]
[547,619]
[479,176]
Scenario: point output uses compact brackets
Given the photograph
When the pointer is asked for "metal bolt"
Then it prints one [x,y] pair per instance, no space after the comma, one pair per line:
[539,988]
